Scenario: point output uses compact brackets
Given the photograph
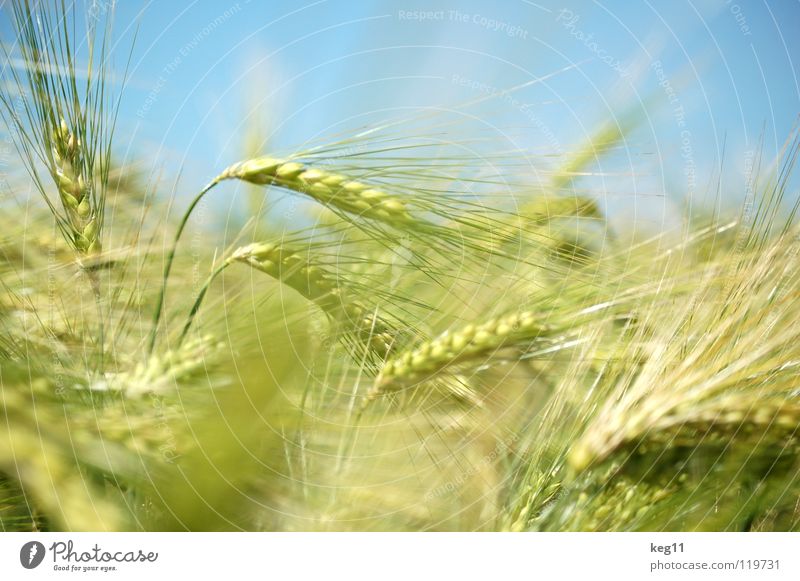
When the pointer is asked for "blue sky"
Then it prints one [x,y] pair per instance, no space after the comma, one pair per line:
[709,76]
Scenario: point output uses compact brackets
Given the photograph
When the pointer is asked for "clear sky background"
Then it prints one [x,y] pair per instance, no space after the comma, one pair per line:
[711,81]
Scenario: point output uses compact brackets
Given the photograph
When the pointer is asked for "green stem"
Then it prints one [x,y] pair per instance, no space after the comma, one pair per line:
[199,300]
[94,282]
[170,259]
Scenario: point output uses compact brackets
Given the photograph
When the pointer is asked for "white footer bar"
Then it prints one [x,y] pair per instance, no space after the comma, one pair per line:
[407,556]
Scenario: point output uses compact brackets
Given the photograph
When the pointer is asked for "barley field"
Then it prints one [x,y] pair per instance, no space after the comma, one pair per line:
[411,326]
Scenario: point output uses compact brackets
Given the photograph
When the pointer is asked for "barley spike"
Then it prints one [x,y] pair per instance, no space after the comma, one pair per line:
[468,343]
[327,188]
[74,189]
[313,282]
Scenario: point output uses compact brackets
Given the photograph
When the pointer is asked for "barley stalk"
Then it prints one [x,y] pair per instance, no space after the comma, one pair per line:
[330,189]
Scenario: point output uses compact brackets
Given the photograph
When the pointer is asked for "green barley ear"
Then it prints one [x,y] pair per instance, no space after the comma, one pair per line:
[68,169]
[164,371]
[61,117]
[466,345]
[330,189]
[313,280]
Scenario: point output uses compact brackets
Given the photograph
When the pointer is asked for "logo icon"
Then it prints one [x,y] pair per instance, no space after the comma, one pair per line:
[31,554]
